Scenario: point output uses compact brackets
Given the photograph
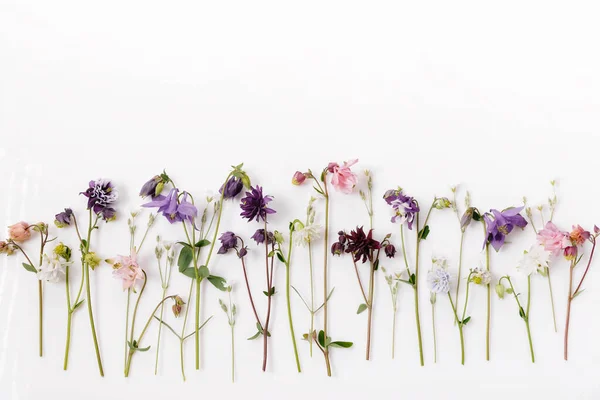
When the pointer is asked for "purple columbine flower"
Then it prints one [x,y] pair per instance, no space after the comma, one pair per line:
[405,207]
[101,194]
[259,236]
[500,224]
[174,211]
[361,245]
[228,241]
[64,218]
[254,205]
[149,188]
[390,250]
[232,187]
[337,248]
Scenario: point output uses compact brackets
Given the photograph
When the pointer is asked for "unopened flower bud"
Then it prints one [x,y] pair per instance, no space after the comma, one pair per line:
[441,203]
[19,232]
[278,237]
[6,248]
[92,260]
[570,253]
[298,178]
[243,251]
[63,251]
[500,289]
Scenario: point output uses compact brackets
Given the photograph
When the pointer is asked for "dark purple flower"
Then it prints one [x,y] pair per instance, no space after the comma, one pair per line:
[242,253]
[149,188]
[254,205]
[64,218]
[361,245]
[337,249]
[342,237]
[173,210]
[390,250]
[259,236]
[405,207]
[228,241]
[101,194]
[233,187]
[500,224]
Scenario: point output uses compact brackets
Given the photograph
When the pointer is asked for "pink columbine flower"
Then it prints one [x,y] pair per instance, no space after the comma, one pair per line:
[343,179]
[553,239]
[298,178]
[579,235]
[19,232]
[128,270]
[570,253]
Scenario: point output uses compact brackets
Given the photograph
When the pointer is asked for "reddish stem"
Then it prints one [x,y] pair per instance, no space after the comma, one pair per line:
[249,292]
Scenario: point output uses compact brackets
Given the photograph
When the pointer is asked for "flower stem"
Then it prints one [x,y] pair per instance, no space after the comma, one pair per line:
[41,322]
[370,309]
[126,351]
[289,306]
[162,311]
[91,316]
[489,304]
[568,320]
[185,318]
[197,322]
[527,318]
[460,328]
[325,275]
[551,298]
[434,337]
[416,291]
[68,344]
[460,257]
[312,298]
[232,356]
[394,334]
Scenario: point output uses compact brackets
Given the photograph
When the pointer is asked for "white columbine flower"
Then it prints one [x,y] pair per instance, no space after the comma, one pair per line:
[534,261]
[52,268]
[438,278]
[481,276]
[309,233]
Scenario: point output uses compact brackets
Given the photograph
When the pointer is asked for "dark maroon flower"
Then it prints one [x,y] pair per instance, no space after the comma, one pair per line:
[228,241]
[232,187]
[259,236]
[361,245]
[101,194]
[390,250]
[337,249]
[254,205]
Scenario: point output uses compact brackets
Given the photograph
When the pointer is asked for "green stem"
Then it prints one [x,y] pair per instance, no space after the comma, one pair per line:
[416,289]
[370,309]
[312,299]
[126,328]
[197,322]
[394,334]
[185,318]
[68,344]
[289,306]
[434,337]
[162,310]
[489,295]
[527,318]
[460,257]
[551,297]
[232,356]
[460,328]
[41,321]
[404,248]
[325,275]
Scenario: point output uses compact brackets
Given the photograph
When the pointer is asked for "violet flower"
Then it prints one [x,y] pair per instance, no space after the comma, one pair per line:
[149,188]
[228,241]
[64,218]
[171,209]
[254,205]
[259,236]
[101,194]
[232,187]
[500,224]
[405,207]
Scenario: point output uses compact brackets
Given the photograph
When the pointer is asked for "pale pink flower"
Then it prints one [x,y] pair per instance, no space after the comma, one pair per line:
[298,178]
[553,239]
[343,179]
[128,270]
[19,232]
[579,235]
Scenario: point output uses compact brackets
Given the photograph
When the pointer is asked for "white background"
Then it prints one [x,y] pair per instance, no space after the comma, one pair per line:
[498,98]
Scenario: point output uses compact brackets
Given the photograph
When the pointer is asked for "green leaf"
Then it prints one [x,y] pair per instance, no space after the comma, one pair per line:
[280,257]
[578,293]
[184,244]
[83,244]
[190,272]
[509,290]
[203,272]
[424,233]
[255,336]
[202,243]
[218,282]
[344,345]
[30,268]
[361,308]
[376,265]
[185,258]
[321,338]
[270,292]
[135,347]
[522,313]
[465,321]
[413,279]
[476,215]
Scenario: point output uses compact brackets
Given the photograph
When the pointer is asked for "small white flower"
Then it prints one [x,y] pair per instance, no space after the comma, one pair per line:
[481,276]
[308,234]
[534,261]
[52,268]
[438,278]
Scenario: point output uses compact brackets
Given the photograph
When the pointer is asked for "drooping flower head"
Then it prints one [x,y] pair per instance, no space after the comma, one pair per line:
[101,195]
[172,209]
[405,207]
[536,260]
[342,177]
[553,239]
[307,234]
[64,218]
[259,237]
[390,250]
[500,224]
[361,245]
[228,241]
[128,270]
[19,232]
[438,278]
[254,205]
[53,268]
[299,178]
[231,188]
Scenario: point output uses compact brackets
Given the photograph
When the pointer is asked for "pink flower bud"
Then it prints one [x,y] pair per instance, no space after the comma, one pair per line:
[19,232]
[298,178]
[571,253]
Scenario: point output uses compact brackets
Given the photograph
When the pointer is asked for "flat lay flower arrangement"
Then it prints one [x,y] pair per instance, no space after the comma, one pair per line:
[370,255]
